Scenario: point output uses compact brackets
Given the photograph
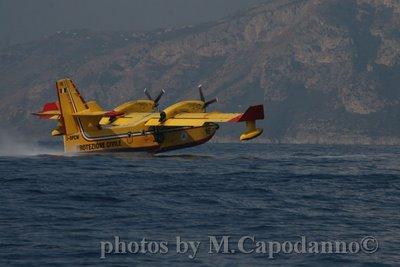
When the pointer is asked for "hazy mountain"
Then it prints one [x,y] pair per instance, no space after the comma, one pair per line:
[25,21]
[327,71]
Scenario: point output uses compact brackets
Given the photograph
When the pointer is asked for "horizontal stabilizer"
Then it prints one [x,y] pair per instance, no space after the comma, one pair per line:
[49,111]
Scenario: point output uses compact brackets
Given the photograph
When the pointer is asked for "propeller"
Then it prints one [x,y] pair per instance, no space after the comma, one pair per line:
[157,99]
[203,99]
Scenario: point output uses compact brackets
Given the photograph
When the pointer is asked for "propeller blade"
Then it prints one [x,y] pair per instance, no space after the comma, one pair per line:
[202,98]
[206,104]
[147,94]
[159,96]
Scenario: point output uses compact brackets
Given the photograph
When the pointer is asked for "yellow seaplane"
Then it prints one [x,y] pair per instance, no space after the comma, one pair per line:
[138,125]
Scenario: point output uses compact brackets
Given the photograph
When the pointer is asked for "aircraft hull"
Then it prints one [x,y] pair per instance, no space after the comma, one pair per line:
[154,140]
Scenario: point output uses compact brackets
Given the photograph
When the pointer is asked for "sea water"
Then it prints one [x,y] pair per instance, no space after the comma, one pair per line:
[66,210]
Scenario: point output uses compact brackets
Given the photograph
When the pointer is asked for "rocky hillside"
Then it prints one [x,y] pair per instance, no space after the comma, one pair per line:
[327,71]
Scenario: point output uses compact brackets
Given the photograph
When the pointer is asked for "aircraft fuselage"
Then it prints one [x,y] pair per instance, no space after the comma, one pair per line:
[153,140]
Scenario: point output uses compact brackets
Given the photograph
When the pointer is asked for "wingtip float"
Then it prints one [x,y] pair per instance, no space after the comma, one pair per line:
[138,125]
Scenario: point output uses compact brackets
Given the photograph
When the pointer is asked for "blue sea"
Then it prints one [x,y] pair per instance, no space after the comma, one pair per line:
[69,210]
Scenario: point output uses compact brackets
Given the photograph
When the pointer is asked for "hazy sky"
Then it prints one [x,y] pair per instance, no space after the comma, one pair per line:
[26,20]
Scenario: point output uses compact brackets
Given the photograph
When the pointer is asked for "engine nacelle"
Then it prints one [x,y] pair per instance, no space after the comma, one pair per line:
[136,106]
[182,107]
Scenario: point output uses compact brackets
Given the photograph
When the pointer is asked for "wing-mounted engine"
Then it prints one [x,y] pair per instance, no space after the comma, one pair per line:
[140,106]
[135,106]
[193,106]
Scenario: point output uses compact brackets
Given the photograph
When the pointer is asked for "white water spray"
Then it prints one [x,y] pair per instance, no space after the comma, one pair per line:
[14,145]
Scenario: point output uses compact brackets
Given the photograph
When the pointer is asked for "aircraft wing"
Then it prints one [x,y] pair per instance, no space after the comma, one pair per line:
[193,119]
[199,119]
